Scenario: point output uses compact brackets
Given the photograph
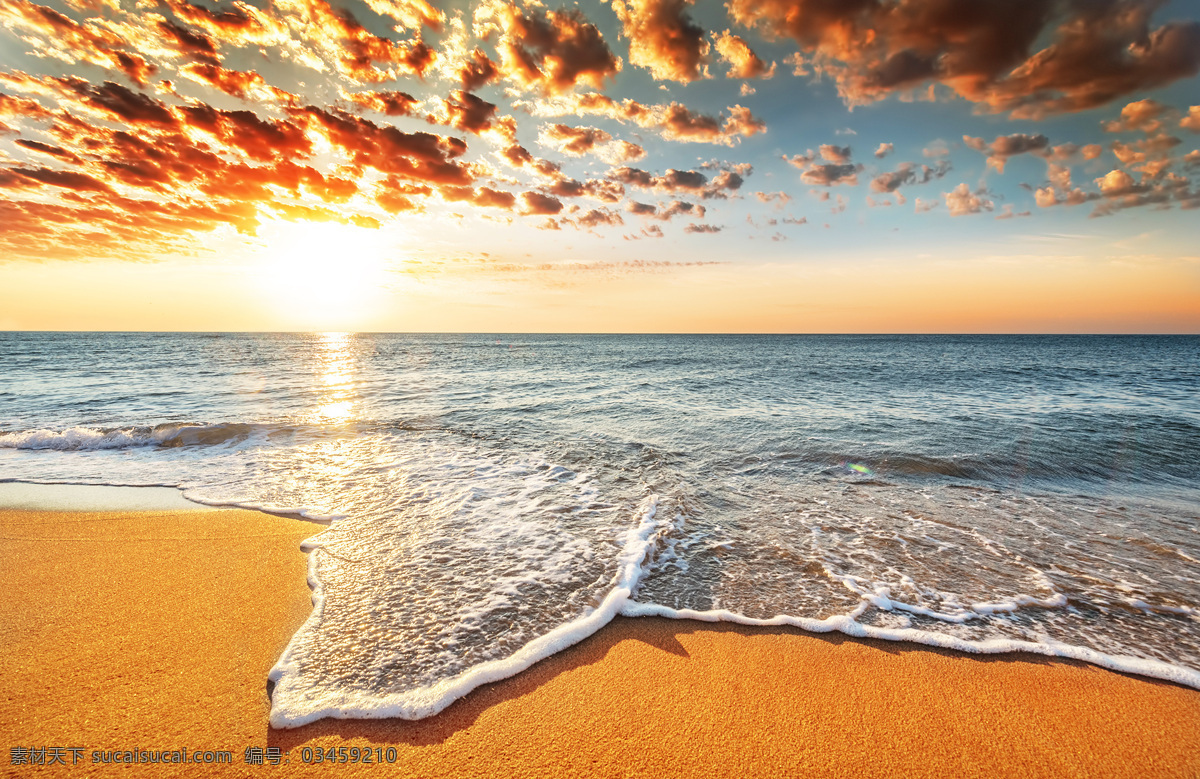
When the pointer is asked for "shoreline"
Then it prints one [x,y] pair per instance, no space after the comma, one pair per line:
[156,630]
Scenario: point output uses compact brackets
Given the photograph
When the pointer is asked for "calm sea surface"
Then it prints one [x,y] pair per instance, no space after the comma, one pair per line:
[498,497]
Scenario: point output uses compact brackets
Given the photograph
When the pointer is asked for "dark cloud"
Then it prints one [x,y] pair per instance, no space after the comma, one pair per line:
[890,182]
[836,154]
[119,102]
[238,25]
[668,212]
[385,102]
[478,71]
[519,157]
[674,121]
[693,181]
[33,177]
[1005,146]
[232,82]
[548,50]
[537,203]
[45,148]
[484,196]
[469,113]
[985,50]
[598,217]
[831,174]
[196,45]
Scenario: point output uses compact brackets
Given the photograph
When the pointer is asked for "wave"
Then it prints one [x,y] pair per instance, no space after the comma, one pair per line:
[165,436]
[294,704]
[1054,462]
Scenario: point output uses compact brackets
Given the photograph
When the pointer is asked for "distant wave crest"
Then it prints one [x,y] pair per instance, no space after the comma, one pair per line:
[166,435]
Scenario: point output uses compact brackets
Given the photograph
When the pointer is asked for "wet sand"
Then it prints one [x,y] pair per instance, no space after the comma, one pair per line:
[156,630]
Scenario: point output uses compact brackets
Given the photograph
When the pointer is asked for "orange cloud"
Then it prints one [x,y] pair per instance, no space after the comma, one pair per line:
[664,39]
[1145,115]
[1192,120]
[577,141]
[743,62]
[573,140]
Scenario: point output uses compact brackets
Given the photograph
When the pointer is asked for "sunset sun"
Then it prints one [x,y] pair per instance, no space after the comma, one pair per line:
[324,274]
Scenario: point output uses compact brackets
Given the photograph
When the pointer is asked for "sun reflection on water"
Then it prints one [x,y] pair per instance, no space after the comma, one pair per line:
[337,373]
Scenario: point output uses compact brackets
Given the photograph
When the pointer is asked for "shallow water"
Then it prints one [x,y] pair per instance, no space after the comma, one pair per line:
[499,497]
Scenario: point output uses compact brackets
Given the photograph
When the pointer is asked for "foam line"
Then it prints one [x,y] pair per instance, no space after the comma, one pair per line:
[293,705]
[267,508]
[1155,669]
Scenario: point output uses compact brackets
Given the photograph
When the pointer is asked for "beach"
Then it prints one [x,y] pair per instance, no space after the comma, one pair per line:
[155,630]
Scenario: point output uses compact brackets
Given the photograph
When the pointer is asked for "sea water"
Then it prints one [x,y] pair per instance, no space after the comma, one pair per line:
[492,499]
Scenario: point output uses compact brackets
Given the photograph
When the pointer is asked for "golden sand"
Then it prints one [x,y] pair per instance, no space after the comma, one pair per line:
[156,631]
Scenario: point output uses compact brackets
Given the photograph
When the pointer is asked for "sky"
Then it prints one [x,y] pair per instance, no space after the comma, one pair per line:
[769,166]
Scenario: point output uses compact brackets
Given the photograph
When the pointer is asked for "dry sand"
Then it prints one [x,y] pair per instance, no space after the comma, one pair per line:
[155,630]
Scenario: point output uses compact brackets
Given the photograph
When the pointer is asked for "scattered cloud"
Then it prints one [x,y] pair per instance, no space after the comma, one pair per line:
[743,62]
[962,201]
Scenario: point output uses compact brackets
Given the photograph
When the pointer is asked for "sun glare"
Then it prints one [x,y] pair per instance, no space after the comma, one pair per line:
[324,276]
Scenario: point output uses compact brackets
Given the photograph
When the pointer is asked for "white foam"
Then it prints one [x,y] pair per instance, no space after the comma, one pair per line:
[75,438]
[169,434]
[286,510]
[846,624]
[294,704]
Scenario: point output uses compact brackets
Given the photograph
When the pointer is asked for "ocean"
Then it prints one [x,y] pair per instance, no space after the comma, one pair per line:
[483,501]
